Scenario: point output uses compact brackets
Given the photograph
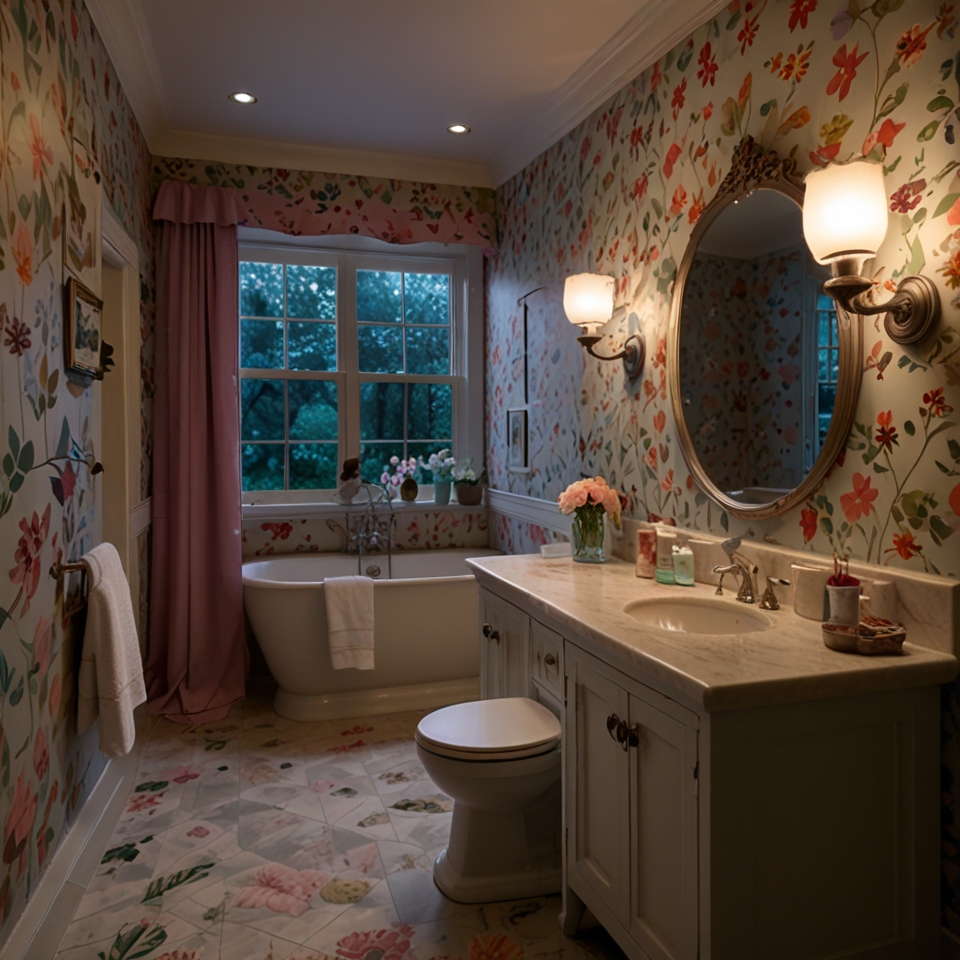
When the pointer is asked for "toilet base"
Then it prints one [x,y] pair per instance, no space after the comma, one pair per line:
[491,889]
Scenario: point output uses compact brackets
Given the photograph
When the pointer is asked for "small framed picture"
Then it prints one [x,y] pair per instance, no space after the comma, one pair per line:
[81,335]
[518,458]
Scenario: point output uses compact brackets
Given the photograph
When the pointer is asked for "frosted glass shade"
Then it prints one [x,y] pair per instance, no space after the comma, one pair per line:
[845,211]
[588,299]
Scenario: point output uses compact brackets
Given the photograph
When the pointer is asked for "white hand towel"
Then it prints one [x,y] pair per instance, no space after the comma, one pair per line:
[349,602]
[110,683]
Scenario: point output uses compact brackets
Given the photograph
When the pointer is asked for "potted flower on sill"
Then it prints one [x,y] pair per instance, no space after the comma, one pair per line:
[589,501]
[400,476]
[468,485]
[441,465]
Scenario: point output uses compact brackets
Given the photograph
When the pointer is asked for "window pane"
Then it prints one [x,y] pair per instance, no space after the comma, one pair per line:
[261,289]
[311,346]
[430,411]
[425,449]
[313,466]
[262,466]
[261,410]
[311,293]
[381,349]
[261,343]
[374,456]
[381,411]
[313,411]
[426,298]
[428,350]
[378,296]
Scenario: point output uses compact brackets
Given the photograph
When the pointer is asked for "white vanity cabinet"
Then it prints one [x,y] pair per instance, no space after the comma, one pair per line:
[631,813]
[504,649]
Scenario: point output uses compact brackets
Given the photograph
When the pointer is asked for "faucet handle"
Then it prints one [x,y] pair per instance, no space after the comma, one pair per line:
[731,546]
[769,599]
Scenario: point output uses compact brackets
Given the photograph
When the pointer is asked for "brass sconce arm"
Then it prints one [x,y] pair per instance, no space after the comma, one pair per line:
[632,353]
[911,314]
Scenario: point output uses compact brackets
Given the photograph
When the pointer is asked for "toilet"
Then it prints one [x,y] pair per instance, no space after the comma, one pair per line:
[500,762]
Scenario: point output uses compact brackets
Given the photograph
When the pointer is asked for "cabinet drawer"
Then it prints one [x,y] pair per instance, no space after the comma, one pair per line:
[546,653]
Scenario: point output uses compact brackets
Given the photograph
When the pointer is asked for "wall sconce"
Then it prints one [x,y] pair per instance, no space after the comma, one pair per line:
[844,223]
[588,304]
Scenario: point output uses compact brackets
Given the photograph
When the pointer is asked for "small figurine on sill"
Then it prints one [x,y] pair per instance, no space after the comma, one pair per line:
[349,480]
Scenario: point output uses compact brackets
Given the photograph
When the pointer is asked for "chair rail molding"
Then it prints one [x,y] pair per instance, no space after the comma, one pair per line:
[544,513]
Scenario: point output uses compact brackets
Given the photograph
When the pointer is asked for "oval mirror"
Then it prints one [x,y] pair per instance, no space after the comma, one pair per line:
[764,375]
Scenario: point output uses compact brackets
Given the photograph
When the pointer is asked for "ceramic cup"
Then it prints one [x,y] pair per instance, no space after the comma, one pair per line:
[646,553]
[844,604]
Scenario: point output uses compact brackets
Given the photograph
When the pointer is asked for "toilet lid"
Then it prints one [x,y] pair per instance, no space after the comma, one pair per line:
[509,728]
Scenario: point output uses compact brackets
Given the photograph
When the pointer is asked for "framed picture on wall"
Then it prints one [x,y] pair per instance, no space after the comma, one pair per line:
[83,320]
[518,458]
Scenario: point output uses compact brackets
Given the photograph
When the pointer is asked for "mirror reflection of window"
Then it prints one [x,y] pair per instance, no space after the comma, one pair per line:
[828,363]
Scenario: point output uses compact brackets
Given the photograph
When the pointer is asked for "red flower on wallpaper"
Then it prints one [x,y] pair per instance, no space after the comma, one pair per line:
[41,754]
[27,555]
[23,254]
[859,503]
[696,208]
[640,188]
[887,433]
[677,102]
[905,546]
[808,524]
[708,65]
[39,148]
[748,33]
[848,63]
[911,45]
[17,337]
[659,421]
[954,499]
[679,200]
[800,10]
[656,76]
[673,152]
[708,111]
[885,135]
[936,405]
[908,196]
[951,270]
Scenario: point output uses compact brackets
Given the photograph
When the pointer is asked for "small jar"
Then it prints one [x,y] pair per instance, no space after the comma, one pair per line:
[683,566]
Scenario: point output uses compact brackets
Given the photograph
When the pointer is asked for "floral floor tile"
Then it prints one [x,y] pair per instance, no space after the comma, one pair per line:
[258,838]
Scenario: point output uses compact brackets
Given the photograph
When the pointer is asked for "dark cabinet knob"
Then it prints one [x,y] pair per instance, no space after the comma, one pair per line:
[550,660]
[486,630]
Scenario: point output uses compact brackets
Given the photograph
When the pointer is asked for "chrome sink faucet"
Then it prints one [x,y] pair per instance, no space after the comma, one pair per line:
[741,568]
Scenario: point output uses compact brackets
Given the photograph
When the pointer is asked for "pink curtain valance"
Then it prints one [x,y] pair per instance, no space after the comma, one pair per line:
[195,203]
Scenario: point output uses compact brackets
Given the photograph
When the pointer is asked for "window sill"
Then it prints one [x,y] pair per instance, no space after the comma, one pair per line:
[299,511]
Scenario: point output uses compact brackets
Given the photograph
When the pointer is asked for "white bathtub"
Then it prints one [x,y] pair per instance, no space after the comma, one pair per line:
[425,645]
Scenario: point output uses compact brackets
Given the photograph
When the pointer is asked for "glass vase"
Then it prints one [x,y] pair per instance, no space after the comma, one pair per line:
[588,535]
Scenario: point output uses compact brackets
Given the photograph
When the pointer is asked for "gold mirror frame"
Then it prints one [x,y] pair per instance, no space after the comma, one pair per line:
[753,168]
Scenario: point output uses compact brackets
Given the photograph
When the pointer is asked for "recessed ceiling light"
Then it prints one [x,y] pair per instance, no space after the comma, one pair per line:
[241,97]
[458,128]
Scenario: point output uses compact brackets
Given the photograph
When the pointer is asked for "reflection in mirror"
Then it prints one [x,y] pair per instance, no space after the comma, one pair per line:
[758,350]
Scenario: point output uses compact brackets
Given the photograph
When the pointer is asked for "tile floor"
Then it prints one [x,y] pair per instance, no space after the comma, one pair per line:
[262,838]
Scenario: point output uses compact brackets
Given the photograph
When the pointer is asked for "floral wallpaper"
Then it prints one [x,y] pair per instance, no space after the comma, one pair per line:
[300,202]
[741,352]
[428,530]
[66,132]
[619,194]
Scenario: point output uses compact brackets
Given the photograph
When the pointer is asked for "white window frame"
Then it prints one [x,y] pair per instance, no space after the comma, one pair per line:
[464,264]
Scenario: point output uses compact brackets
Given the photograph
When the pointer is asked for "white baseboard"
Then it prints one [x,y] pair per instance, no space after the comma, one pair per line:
[368,703]
[73,864]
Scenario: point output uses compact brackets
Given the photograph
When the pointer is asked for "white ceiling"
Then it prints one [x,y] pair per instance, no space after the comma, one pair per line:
[369,86]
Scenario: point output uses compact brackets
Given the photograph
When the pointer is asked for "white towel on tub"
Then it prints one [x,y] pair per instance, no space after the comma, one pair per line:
[349,602]
[110,683]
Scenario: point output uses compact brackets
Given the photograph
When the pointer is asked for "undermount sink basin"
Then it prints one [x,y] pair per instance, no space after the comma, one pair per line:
[696,615]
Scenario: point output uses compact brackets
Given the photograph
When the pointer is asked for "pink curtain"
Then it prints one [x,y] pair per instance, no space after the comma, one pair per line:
[196,665]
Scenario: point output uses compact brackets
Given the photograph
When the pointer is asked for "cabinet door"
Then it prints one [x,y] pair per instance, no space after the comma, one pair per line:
[504,638]
[598,844]
[663,827]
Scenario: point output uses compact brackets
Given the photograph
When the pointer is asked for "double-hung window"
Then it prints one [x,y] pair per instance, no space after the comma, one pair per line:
[351,354]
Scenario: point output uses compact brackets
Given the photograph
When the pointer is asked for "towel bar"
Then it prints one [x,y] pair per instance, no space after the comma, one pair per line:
[58,570]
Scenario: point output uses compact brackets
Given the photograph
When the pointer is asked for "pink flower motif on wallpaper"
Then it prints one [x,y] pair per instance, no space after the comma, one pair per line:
[281,889]
[848,63]
[16,335]
[391,944]
[19,823]
[27,555]
[23,254]
[907,197]
[41,754]
[859,503]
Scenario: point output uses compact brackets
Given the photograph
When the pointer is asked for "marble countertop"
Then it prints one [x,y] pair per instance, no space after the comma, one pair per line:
[786,664]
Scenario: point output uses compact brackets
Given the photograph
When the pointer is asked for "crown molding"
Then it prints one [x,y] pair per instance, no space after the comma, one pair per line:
[642,40]
[297,156]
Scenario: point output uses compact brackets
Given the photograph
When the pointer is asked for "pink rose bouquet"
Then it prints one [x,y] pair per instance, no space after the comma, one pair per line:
[589,500]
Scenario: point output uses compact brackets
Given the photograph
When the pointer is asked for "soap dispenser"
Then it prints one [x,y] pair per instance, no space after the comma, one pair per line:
[683,565]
